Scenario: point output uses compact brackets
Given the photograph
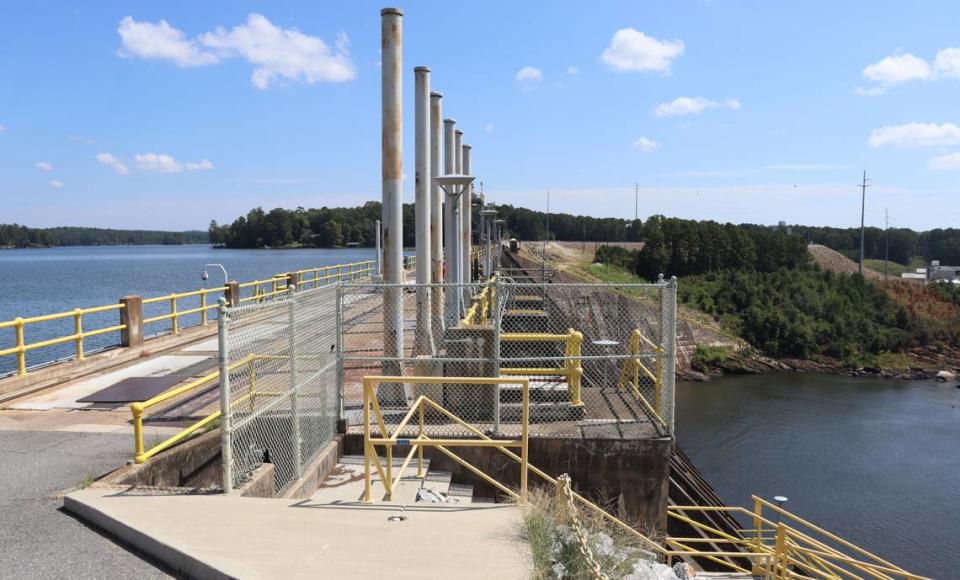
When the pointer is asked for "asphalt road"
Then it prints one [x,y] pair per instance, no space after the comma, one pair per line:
[37,538]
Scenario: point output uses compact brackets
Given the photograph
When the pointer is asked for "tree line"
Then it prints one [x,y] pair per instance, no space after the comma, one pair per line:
[20,236]
[903,244]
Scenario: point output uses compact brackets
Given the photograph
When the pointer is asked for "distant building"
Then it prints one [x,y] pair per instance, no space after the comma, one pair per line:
[941,273]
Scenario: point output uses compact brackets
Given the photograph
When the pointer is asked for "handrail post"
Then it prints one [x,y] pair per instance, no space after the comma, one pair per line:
[576,372]
[294,382]
[420,447]
[203,308]
[367,487]
[758,533]
[781,551]
[131,317]
[78,331]
[226,444]
[175,327]
[524,441]
[136,408]
[21,348]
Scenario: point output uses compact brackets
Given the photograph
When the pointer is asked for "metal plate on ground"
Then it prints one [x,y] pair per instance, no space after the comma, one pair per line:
[199,369]
[133,389]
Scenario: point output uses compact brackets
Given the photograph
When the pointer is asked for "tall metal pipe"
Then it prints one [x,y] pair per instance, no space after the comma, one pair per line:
[436,216]
[423,339]
[458,169]
[391,79]
[466,219]
[376,226]
[449,213]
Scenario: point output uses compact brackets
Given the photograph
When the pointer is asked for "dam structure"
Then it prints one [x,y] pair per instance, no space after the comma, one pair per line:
[402,420]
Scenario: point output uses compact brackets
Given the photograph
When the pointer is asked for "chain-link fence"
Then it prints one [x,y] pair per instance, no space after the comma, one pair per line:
[599,356]
[281,389]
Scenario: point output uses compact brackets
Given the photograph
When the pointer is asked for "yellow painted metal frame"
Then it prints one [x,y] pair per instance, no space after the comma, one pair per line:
[388,441]
[479,311]
[633,366]
[572,367]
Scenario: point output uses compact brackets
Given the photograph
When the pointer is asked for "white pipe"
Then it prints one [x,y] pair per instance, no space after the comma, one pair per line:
[449,229]
[436,216]
[466,217]
[376,226]
[392,186]
[458,169]
[423,339]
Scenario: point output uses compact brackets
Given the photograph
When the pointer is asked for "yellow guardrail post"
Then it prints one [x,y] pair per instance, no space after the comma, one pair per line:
[574,367]
[758,533]
[203,308]
[21,348]
[78,331]
[137,410]
[780,553]
[420,447]
[174,325]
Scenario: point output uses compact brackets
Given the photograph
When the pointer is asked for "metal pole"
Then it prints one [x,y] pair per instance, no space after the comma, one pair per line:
[392,176]
[423,340]
[495,305]
[449,213]
[458,169]
[863,207]
[669,341]
[223,358]
[436,216]
[297,440]
[376,226]
[466,217]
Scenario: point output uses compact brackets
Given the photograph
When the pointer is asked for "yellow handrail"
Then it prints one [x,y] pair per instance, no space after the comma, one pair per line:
[174,314]
[388,441]
[572,367]
[632,367]
[479,311]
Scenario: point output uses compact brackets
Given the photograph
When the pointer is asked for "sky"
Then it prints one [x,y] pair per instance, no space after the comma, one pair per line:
[166,115]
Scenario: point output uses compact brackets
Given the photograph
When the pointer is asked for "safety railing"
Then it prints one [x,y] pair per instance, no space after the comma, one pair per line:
[786,548]
[571,366]
[196,304]
[634,370]
[79,334]
[479,311]
[388,441]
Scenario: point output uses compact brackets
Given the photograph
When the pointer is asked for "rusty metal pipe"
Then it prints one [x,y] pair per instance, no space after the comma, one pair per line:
[391,21]
[423,338]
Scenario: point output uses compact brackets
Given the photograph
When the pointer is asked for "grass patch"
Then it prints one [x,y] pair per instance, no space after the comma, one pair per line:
[555,550]
[610,274]
[85,482]
[893,268]
[709,356]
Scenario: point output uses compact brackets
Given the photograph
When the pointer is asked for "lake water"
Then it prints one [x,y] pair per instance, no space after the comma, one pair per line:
[875,461]
[45,281]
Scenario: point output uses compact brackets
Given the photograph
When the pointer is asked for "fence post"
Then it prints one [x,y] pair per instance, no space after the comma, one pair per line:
[340,366]
[294,382]
[668,342]
[131,317]
[21,348]
[78,331]
[232,294]
[496,352]
[226,446]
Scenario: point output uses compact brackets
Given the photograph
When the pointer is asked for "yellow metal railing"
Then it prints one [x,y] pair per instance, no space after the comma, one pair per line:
[479,311]
[633,366]
[175,311]
[571,368]
[388,441]
[79,334]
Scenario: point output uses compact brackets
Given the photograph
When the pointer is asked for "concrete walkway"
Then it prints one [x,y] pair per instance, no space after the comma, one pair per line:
[37,539]
[229,536]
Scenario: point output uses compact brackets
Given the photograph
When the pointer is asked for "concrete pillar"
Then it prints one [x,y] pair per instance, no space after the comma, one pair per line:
[436,217]
[232,294]
[423,339]
[131,315]
[392,183]
[466,217]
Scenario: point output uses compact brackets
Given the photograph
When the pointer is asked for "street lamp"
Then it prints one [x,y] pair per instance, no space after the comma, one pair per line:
[454,186]
[486,226]
[205,275]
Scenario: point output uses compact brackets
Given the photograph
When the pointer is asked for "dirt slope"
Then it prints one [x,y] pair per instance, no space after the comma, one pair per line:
[834,261]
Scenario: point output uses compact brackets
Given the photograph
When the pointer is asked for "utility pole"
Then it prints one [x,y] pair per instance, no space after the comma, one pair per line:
[636,202]
[886,241]
[863,206]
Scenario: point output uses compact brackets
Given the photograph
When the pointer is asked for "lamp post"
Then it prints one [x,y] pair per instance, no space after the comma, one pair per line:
[454,186]
[205,275]
[487,220]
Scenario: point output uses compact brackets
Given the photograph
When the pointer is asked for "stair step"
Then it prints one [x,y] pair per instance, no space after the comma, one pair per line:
[540,391]
[461,490]
[437,480]
[541,412]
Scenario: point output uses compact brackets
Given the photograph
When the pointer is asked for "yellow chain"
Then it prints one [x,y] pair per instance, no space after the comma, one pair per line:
[563,485]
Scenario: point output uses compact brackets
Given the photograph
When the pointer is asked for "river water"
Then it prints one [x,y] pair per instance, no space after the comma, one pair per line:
[39,281]
[875,461]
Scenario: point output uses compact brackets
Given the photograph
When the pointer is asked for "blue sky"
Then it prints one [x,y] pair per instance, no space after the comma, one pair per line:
[733,111]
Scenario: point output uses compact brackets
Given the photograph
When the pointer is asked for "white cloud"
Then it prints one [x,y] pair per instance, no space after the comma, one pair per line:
[632,50]
[572,70]
[114,163]
[198,166]
[56,184]
[897,69]
[945,162]
[273,51]
[286,53]
[947,62]
[43,165]
[162,163]
[646,145]
[489,128]
[915,135]
[529,76]
[160,41]
[692,106]
[3,128]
